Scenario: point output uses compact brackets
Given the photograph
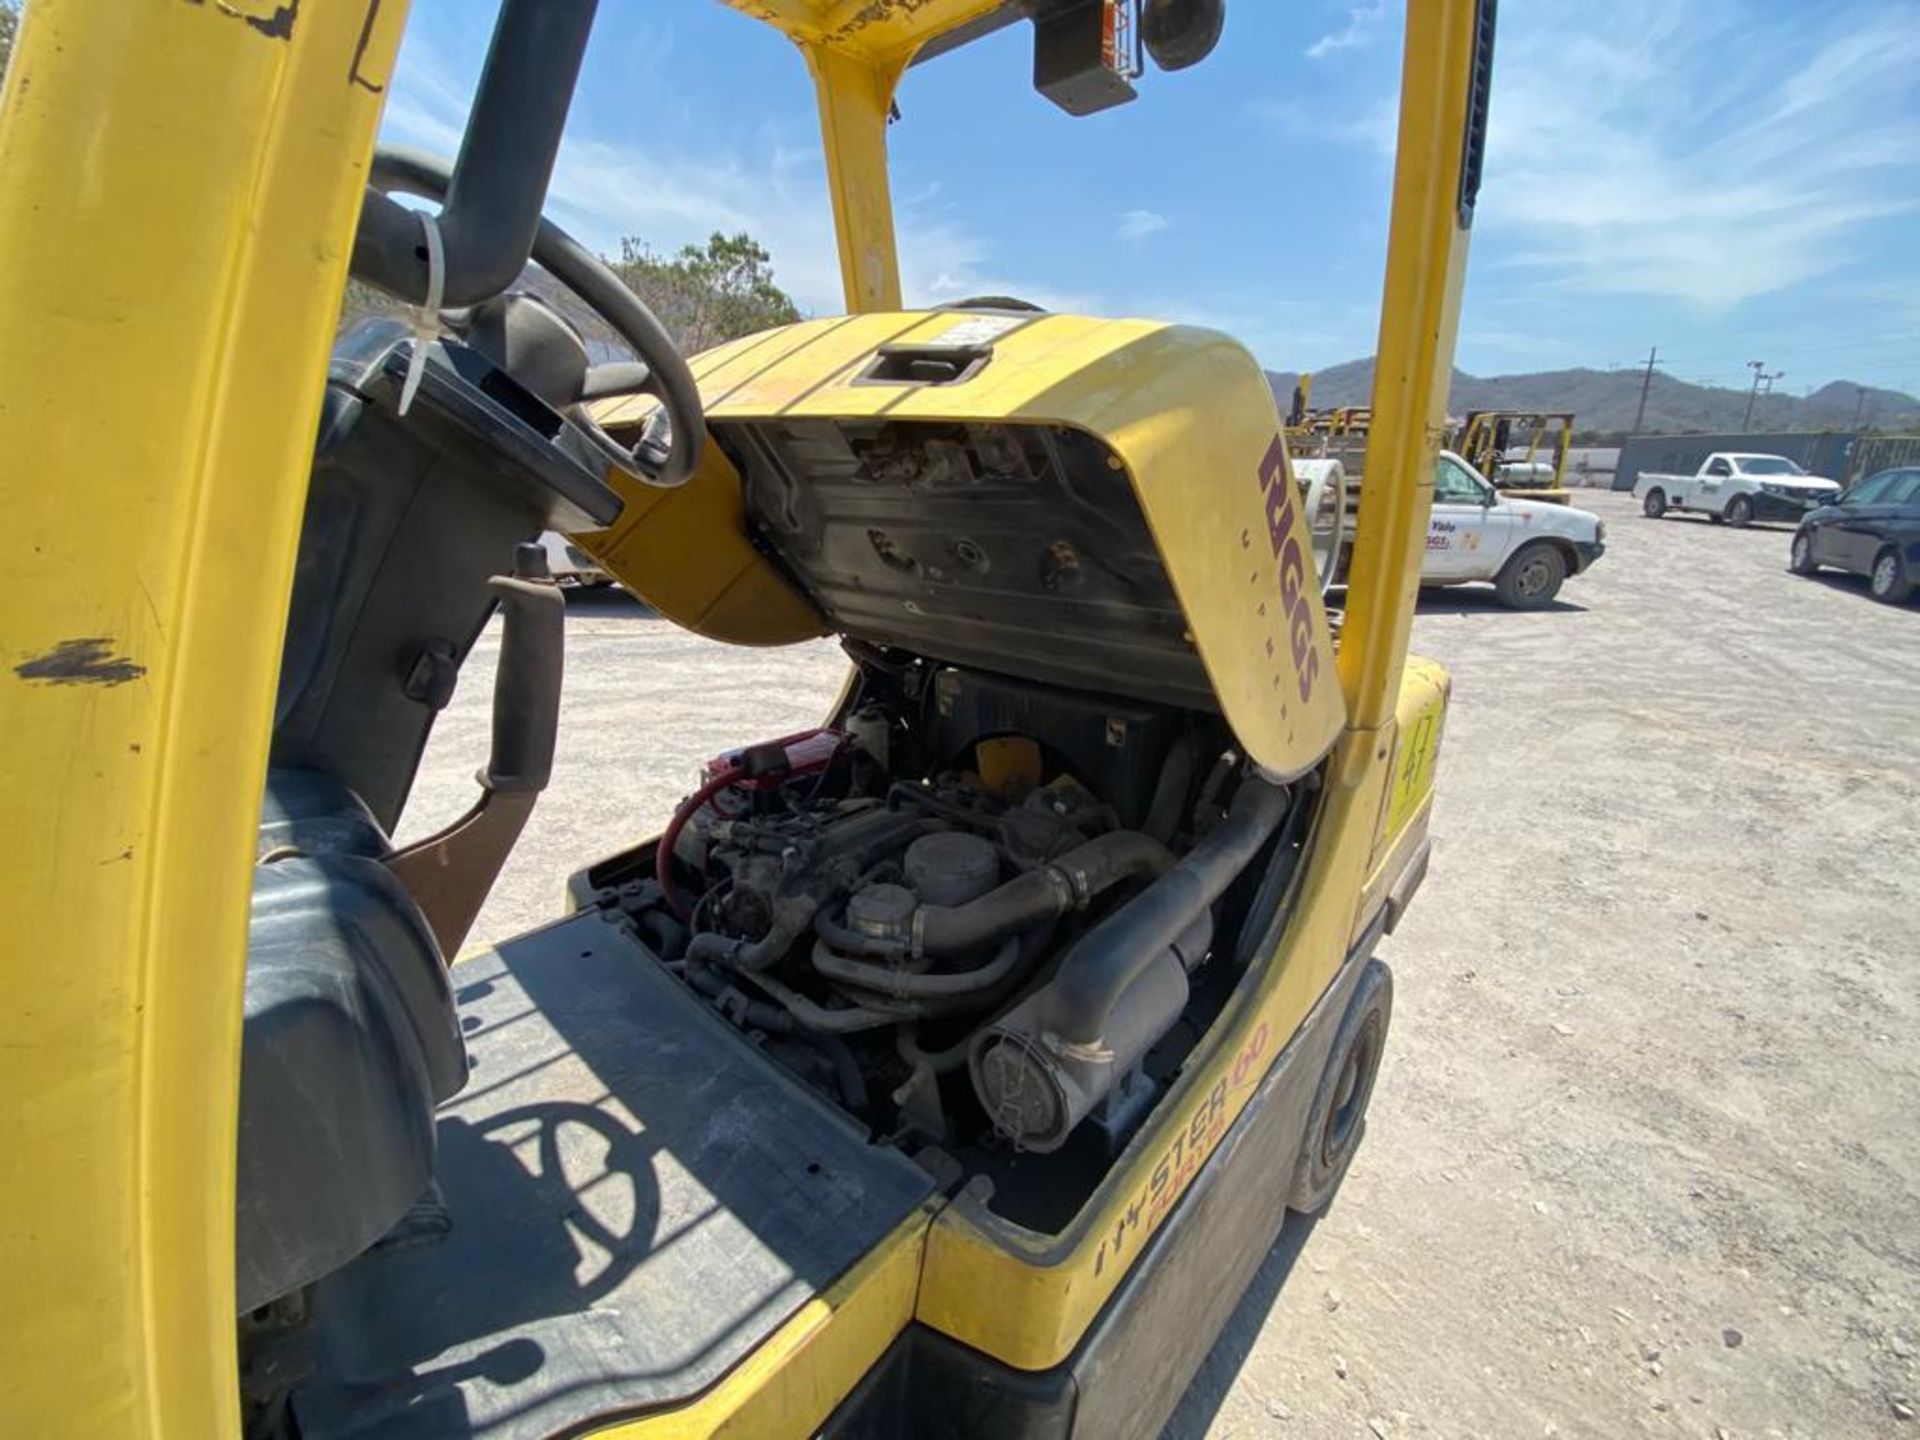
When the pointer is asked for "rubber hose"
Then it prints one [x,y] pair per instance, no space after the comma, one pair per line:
[1170,793]
[846,1070]
[812,1016]
[957,814]
[940,1062]
[849,941]
[1040,895]
[772,1018]
[1273,885]
[708,948]
[756,1013]
[1112,955]
[904,985]
[668,935]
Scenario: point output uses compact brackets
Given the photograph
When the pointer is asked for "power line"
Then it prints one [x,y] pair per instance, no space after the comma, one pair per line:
[1893,339]
[1646,383]
[1759,368]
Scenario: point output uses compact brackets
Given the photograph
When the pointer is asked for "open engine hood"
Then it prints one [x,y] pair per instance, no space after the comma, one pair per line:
[1101,504]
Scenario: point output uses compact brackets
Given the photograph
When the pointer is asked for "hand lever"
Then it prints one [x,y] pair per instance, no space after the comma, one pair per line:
[450,874]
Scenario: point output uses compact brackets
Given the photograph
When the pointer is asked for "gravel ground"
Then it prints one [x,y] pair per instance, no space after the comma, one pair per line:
[1643,1158]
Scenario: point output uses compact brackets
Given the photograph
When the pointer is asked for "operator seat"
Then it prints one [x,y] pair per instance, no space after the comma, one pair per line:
[351,1041]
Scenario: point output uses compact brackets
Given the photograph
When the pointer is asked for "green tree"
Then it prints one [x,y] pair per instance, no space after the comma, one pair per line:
[706,295]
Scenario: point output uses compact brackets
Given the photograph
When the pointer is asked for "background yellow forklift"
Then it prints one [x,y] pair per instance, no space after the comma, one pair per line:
[947,1069]
[1487,440]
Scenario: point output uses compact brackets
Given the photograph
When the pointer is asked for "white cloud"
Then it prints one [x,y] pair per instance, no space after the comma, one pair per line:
[1686,153]
[1682,152]
[941,262]
[603,191]
[1373,126]
[1365,24]
[1139,224]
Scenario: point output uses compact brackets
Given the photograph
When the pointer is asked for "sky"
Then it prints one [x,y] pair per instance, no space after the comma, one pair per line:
[1730,180]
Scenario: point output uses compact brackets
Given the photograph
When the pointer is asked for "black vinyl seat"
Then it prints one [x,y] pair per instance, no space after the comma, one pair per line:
[351,1041]
[313,813]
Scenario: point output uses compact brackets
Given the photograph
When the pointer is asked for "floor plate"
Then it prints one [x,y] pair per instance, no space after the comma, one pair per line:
[637,1198]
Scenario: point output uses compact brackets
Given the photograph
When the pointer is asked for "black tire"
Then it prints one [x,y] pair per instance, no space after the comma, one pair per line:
[1889,580]
[1532,576]
[1338,1119]
[1716,519]
[1655,505]
[1800,558]
[1740,511]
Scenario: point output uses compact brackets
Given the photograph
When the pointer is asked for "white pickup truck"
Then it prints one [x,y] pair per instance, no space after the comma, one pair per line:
[1738,489]
[1525,548]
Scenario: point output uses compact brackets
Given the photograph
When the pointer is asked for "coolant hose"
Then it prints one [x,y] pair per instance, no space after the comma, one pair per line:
[1274,884]
[811,1015]
[940,1062]
[1170,793]
[849,941]
[757,1013]
[709,948]
[907,985]
[1040,895]
[762,1015]
[1111,956]
[846,1070]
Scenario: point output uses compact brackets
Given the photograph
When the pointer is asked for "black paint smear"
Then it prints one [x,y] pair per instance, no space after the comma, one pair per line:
[279,25]
[81,662]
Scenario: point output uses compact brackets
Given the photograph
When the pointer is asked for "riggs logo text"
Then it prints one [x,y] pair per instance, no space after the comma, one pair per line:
[1277,481]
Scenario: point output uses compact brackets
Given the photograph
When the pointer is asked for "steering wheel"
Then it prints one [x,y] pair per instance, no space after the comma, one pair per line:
[665,455]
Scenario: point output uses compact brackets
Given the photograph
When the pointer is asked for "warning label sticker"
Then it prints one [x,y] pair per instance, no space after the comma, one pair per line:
[981,329]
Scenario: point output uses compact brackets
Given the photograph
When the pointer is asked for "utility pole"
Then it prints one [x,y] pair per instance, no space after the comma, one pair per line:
[1859,404]
[1759,368]
[1646,383]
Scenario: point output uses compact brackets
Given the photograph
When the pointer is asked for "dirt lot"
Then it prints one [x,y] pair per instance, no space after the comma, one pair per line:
[1645,1156]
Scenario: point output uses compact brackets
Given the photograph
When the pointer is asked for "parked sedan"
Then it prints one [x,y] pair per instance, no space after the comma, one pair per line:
[1872,530]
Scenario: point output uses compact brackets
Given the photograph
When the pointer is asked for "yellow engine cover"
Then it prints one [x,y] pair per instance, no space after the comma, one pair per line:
[1105,504]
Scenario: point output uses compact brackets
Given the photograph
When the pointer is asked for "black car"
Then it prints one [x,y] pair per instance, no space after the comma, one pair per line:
[1872,530]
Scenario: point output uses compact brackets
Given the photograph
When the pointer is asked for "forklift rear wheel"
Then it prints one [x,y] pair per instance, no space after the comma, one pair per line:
[1655,505]
[1338,1119]
[1740,511]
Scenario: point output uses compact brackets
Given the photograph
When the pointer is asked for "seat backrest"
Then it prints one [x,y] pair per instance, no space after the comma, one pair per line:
[314,814]
[389,594]
[351,1041]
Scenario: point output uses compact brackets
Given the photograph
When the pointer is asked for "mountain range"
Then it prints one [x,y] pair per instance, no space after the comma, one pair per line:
[1603,402]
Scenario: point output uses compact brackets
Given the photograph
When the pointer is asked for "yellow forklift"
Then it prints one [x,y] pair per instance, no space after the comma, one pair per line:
[945,1069]
[1487,439]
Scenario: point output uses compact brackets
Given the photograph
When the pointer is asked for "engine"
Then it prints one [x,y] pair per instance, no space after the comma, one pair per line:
[941,925]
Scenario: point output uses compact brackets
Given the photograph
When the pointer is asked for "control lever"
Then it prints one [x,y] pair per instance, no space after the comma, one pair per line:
[450,874]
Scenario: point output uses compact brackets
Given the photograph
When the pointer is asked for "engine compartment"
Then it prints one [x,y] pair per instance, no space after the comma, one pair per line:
[982,916]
